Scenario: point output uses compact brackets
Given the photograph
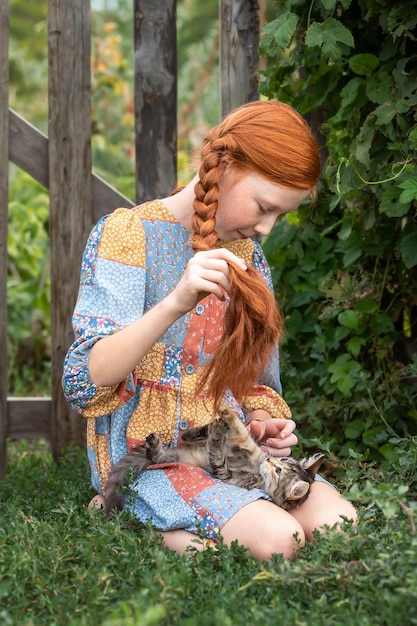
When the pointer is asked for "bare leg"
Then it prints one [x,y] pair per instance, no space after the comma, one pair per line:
[96,503]
[179,540]
[324,506]
[260,526]
[265,529]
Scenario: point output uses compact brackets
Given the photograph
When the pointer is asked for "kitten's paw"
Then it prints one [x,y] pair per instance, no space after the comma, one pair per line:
[223,422]
[152,440]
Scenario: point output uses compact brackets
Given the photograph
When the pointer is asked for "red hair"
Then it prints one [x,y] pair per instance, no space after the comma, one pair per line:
[271,139]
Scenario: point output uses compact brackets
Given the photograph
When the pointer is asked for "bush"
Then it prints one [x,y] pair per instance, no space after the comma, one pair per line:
[62,564]
[28,285]
[346,270]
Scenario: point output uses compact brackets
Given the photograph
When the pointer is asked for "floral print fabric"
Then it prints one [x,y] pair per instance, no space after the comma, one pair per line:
[133,259]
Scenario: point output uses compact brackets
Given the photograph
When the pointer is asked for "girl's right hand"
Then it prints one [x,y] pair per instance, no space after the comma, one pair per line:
[206,273]
[116,355]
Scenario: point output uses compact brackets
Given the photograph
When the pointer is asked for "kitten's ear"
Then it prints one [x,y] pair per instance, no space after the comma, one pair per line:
[298,490]
[312,465]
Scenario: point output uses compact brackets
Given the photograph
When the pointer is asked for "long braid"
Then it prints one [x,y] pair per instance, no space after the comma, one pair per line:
[206,195]
[273,140]
[253,324]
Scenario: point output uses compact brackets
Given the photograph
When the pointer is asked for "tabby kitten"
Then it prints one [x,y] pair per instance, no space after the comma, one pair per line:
[225,449]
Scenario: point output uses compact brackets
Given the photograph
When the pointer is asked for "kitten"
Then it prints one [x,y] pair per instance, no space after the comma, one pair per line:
[225,449]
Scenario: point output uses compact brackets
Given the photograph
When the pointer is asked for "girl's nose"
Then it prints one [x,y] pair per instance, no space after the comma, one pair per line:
[265,225]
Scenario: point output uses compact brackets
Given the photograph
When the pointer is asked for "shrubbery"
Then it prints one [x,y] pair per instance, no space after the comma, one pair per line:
[346,270]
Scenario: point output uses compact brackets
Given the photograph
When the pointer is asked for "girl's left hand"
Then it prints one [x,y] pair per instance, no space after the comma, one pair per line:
[275,436]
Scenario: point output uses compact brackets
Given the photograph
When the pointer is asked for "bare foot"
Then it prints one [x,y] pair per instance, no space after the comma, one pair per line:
[96,503]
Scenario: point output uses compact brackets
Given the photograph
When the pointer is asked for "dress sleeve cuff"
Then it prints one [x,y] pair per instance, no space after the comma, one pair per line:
[269,400]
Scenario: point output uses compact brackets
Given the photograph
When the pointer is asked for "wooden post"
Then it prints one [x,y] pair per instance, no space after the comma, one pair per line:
[4,193]
[155,98]
[239,41]
[69,187]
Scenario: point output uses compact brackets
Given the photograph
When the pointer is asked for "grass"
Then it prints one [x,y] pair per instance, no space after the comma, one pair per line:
[63,565]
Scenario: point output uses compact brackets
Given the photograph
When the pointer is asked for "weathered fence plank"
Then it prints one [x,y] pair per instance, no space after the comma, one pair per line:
[4,195]
[69,188]
[28,149]
[29,418]
[155,98]
[239,40]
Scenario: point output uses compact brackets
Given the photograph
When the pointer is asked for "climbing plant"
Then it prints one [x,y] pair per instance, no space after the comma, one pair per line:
[345,270]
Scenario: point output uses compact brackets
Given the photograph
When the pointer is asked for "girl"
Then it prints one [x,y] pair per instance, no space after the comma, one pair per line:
[176,314]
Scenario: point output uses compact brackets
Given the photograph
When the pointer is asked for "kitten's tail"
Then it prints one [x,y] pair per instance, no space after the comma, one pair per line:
[126,470]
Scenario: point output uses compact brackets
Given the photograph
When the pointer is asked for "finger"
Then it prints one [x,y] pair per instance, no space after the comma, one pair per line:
[288,429]
[222,254]
[256,429]
[279,444]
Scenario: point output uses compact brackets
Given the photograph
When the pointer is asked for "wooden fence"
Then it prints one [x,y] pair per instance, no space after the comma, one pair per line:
[62,163]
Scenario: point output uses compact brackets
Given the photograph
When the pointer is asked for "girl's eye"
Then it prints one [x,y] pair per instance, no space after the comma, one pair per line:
[263,209]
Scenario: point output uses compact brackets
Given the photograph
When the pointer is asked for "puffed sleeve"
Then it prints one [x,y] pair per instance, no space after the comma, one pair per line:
[111,296]
[267,395]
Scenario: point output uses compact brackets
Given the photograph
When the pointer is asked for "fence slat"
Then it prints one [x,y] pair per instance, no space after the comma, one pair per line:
[29,418]
[28,150]
[239,40]
[69,189]
[4,193]
[155,98]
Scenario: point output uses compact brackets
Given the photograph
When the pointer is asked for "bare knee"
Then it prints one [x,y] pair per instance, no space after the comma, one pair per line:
[283,539]
[265,529]
[96,503]
[325,508]
[182,540]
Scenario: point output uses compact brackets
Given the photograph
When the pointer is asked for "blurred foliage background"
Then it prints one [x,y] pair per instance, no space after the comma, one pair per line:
[345,270]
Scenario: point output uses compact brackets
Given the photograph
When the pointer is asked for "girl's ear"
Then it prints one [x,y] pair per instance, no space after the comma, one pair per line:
[225,161]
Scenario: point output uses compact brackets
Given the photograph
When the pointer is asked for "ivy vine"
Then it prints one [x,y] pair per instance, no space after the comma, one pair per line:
[346,270]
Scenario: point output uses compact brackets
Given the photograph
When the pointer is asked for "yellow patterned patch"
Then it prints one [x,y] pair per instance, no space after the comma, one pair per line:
[105,401]
[156,413]
[242,248]
[123,238]
[150,367]
[155,210]
[269,400]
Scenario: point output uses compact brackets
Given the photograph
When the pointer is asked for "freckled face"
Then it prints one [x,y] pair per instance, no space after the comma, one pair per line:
[250,204]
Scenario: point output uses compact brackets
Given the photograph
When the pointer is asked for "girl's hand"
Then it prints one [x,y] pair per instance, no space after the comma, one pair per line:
[275,436]
[207,272]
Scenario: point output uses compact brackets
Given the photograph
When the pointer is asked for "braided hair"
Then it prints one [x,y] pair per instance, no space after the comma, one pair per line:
[271,139]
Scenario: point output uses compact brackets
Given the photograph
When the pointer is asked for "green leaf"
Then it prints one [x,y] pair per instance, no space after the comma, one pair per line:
[390,203]
[408,248]
[328,36]
[379,87]
[349,92]
[279,32]
[354,429]
[413,135]
[410,190]
[355,344]
[364,141]
[329,5]
[382,324]
[385,113]
[351,249]
[343,372]
[366,305]
[349,318]
[363,64]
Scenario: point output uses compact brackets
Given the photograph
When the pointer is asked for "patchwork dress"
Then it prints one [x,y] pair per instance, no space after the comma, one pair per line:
[133,259]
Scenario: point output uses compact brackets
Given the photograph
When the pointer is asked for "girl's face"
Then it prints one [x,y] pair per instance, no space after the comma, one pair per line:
[250,205]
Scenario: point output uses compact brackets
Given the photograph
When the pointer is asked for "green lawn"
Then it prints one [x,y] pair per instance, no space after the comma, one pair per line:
[62,564]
